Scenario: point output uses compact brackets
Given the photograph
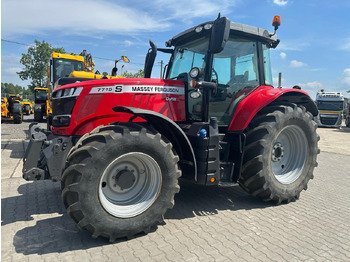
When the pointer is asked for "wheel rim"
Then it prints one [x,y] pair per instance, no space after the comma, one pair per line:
[289,153]
[130,185]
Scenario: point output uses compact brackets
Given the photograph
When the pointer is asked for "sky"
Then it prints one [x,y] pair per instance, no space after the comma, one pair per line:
[314,52]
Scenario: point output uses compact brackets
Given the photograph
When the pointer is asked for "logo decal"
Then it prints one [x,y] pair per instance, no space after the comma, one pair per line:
[173,90]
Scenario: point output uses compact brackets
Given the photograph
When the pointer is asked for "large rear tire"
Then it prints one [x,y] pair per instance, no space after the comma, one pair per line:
[280,154]
[120,180]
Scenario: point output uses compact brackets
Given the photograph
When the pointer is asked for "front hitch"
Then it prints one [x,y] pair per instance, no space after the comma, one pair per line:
[45,155]
[31,157]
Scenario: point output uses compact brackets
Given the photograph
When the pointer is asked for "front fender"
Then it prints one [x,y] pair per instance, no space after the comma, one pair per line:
[169,129]
[262,97]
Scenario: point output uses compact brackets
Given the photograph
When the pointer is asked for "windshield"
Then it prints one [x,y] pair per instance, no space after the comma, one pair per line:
[188,56]
[330,105]
[63,67]
[40,95]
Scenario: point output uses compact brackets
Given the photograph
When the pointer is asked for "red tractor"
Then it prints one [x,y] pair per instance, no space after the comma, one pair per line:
[119,146]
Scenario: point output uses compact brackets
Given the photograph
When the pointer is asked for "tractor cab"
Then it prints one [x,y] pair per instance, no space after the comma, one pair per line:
[221,62]
[40,95]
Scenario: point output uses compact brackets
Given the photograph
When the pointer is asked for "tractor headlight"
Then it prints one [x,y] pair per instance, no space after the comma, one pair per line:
[195,72]
[199,29]
[208,26]
[68,92]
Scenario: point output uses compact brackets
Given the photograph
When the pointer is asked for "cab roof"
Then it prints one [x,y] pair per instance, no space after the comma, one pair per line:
[235,29]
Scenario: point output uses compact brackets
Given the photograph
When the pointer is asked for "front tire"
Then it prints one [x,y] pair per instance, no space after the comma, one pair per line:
[280,154]
[120,180]
[38,117]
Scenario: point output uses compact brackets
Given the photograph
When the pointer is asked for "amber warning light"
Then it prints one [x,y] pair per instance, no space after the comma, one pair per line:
[276,22]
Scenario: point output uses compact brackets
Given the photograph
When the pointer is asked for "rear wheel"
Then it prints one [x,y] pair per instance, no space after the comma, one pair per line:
[120,180]
[280,154]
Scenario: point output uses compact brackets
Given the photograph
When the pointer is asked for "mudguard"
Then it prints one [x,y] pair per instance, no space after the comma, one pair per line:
[169,129]
[262,97]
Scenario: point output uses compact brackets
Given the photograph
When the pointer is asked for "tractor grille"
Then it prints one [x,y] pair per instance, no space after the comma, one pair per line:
[328,120]
[63,106]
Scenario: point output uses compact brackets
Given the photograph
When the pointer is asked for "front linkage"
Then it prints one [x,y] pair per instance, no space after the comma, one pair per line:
[46,154]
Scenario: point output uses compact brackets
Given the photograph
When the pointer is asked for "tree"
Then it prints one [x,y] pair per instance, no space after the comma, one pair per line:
[35,63]
[9,88]
[138,74]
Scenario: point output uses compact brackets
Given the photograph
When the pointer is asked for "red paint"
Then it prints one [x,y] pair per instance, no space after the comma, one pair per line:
[254,102]
[92,110]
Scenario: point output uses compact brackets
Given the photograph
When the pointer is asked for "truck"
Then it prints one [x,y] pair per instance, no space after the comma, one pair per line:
[330,106]
[120,146]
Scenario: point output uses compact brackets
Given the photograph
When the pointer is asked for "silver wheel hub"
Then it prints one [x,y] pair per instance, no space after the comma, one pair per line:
[289,154]
[130,184]
[277,152]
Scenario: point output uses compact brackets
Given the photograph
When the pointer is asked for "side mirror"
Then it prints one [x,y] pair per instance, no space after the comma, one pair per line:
[125,59]
[219,35]
[115,69]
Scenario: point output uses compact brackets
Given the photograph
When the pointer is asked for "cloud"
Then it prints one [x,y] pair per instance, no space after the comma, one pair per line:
[311,85]
[280,2]
[80,17]
[346,77]
[12,70]
[295,63]
[346,45]
[194,8]
[128,43]
[95,18]
[283,55]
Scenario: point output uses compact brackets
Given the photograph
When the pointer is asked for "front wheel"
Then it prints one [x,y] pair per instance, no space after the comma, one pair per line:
[38,117]
[120,180]
[280,154]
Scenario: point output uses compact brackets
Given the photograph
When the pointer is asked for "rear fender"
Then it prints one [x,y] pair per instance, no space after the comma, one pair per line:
[170,130]
[264,96]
